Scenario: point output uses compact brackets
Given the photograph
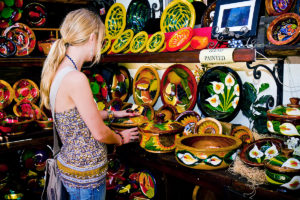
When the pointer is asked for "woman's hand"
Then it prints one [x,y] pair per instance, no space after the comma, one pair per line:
[125,113]
[130,135]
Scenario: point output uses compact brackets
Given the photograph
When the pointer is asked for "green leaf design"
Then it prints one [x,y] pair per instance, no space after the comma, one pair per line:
[263,87]
[181,72]
[298,128]
[276,125]
[210,89]
[150,145]
[184,83]
[260,124]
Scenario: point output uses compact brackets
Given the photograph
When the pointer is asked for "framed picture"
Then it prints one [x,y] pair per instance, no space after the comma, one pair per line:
[237,17]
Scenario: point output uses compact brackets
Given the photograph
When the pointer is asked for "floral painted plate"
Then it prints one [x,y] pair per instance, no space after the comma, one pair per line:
[115,21]
[146,85]
[35,14]
[219,93]
[208,125]
[284,30]
[22,36]
[26,89]
[121,84]
[27,109]
[155,42]
[106,45]
[138,13]
[177,14]
[7,47]
[6,94]
[178,87]
[122,41]
[147,184]
[139,41]
[180,39]
[189,120]
[278,7]
[243,133]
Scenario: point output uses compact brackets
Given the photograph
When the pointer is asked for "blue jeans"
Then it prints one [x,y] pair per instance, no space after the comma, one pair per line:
[87,194]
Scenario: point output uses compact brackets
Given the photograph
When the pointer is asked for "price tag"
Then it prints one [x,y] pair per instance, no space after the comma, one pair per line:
[209,56]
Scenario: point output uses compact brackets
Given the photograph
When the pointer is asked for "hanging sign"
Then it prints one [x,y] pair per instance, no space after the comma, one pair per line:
[208,56]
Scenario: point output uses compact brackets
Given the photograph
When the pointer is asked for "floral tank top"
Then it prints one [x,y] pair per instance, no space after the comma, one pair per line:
[82,161]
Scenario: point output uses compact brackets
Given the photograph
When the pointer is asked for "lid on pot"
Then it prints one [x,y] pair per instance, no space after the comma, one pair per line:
[160,125]
[292,109]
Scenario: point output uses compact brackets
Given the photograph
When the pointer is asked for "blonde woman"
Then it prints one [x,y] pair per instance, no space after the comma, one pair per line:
[82,161]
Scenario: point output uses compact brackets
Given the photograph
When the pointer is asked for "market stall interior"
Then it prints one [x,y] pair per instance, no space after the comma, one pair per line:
[218,97]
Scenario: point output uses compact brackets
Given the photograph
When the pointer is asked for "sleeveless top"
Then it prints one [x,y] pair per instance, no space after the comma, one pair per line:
[82,160]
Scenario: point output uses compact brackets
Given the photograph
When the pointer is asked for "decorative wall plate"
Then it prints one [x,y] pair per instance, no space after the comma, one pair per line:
[138,13]
[139,41]
[219,93]
[155,42]
[278,7]
[122,41]
[106,45]
[208,16]
[98,86]
[35,14]
[243,133]
[7,47]
[177,14]
[22,36]
[121,84]
[146,85]
[178,88]
[115,21]
[285,29]
[115,104]
[180,39]
[147,184]
[26,89]
[6,94]
[189,120]
[27,109]
[169,111]
[208,125]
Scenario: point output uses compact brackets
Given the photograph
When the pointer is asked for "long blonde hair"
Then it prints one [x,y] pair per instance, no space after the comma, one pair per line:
[75,30]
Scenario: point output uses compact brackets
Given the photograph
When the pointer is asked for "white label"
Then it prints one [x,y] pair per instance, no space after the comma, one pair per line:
[216,55]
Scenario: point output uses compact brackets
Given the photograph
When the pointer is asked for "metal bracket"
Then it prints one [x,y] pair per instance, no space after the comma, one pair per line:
[277,74]
[155,8]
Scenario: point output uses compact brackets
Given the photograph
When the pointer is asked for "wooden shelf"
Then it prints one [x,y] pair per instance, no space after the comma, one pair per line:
[282,51]
[22,62]
[64,1]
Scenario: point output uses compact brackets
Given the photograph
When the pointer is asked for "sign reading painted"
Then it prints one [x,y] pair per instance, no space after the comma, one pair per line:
[216,55]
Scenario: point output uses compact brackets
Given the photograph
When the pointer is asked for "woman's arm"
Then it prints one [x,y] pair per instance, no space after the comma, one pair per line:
[123,113]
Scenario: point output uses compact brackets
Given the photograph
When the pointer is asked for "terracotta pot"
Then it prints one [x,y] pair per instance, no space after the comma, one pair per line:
[14,125]
[206,152]
[283,120]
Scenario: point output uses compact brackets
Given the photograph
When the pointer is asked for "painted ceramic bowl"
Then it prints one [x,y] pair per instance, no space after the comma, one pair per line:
[46,45]
[156,42]
[180,39]
[106,45]
[115,21]
[255,153]
[285,120]
[27,109]
[138,42]
[206,152]
[122,42]
[189,120]
[7,47]
[6,94]
[13,125]
[284,170]
[26,89]
[169,111]
[35,14]
[159,136]
[277,7]
[45,123]
[121,84]
[209,125]
[243,133]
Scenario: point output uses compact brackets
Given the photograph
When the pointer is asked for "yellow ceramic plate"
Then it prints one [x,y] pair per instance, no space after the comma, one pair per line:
[115,21]
[6,94]
[26,89]
[122,41]
[139,42]
[106,45]
[155,42]
[177,14]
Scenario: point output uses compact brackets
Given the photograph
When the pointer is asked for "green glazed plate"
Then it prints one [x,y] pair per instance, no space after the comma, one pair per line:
[155,42]
[122,41]
[115,21]
[139,41]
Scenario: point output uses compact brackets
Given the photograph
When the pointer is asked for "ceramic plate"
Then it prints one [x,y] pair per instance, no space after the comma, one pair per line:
[122,41]
[147,184]
[35,14]
[6,94]
[180,39]
[106,45]
[208,16]
[278,7]
[155,42]
[115,21]
[121,84]
[26,89]
[243,133]
[208,125]
[139,41]
[169,111]
[189,120]
[284,30]
[7,47]
[22,36]
[27,109]
[138,13]
[178,87]
[146,85]
[219,93]
[177,14]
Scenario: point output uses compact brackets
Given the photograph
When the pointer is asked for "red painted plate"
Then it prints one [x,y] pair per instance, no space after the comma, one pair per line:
[147,184]
[35,14]
[178,87]
[6,94]
[23,37]
[28,109]
[26,89]
[121,84]
[7,47]
[180,38]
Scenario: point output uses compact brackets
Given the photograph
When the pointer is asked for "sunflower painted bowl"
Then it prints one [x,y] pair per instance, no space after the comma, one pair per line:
[159,136]
[285,120]
[13,125]
[284,170]
[206,152]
